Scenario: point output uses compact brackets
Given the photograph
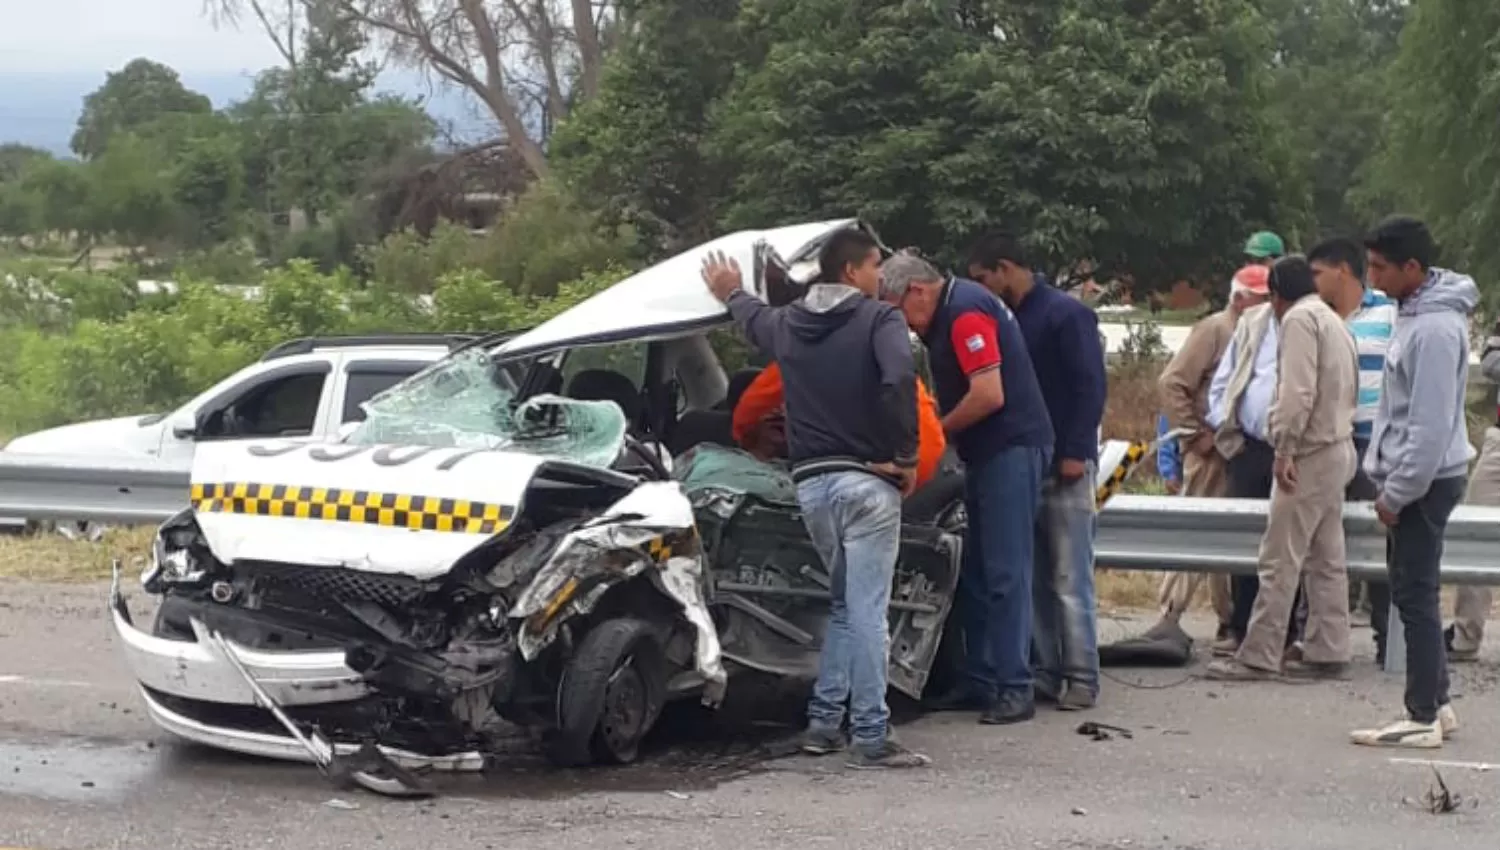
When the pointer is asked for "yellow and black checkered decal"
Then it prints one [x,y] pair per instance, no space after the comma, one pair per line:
[1128,463]
[676,543]
[418,513]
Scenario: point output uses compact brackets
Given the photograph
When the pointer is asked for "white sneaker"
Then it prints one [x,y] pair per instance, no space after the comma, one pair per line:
[1405,733]
[1447,720]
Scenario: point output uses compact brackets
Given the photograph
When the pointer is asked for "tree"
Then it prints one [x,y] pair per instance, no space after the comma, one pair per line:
[15,158]
[208,185]
[130,193]
[1131,135]
[1327,95]
[65,196]
[1437,156]
[635,151]
[20,211]
[309,132]
[527,62]
[134,96]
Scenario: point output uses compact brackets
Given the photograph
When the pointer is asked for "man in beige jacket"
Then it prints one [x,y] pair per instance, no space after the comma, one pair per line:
[1311,429]
[1184,400]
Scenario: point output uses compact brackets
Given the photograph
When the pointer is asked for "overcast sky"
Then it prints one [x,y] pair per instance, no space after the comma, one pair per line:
[100,35]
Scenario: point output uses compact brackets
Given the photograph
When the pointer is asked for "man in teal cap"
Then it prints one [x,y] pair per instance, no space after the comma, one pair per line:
[1264,248]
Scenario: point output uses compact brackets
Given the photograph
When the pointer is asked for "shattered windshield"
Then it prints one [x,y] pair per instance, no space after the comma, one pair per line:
[462,402]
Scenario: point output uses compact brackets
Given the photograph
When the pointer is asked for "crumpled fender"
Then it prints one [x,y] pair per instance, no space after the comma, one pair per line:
[649,532]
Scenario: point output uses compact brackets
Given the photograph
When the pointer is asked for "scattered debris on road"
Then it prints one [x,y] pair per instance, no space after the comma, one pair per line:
[1441,800]
[342,805]
[1103,731]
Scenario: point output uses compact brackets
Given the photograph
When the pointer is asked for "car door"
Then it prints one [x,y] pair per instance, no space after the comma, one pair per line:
[362,379]
[286,401]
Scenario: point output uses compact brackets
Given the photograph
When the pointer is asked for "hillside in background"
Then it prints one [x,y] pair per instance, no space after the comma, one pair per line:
[41,108]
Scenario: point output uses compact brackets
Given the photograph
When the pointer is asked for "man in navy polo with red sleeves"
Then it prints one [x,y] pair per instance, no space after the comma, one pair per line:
[1062,335]
[995,417]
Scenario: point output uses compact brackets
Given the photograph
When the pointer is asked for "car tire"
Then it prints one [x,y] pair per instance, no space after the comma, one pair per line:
[611,694]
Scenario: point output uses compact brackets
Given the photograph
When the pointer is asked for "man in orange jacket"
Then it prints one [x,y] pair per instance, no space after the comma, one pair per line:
[755,422]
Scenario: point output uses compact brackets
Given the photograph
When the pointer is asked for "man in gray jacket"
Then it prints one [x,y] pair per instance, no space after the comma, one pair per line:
[1419,459]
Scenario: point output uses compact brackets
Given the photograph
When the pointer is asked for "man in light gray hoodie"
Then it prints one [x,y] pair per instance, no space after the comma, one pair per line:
[1419,459]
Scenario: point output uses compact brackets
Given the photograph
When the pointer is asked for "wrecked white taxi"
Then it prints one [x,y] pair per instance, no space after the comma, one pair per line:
[553,532]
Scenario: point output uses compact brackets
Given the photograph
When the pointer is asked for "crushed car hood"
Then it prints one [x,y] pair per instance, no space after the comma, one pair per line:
[408,510]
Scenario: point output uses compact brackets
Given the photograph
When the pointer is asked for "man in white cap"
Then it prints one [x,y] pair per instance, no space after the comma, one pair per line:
[1184,389]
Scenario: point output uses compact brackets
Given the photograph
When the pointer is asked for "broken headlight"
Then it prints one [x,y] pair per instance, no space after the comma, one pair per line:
[176,559]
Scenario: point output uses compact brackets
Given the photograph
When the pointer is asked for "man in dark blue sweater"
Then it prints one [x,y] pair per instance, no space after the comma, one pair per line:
[1062,336]
[993,411]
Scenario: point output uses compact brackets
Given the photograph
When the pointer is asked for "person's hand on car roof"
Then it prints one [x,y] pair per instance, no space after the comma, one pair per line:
[722,274]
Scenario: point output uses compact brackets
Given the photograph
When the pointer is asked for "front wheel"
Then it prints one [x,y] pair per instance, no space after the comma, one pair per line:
[611,694]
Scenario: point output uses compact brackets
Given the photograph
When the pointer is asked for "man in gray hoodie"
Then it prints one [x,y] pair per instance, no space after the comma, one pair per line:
[1419,459]
[851,428]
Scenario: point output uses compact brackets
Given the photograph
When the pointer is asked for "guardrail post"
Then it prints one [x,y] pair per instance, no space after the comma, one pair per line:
[1395,641]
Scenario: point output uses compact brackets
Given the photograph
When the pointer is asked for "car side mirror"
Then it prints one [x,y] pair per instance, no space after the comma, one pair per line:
[183,425]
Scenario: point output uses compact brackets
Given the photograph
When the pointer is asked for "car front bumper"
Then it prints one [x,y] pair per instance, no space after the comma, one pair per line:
[177,673]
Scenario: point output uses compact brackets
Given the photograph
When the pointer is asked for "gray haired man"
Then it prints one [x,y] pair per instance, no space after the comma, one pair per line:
[993,410]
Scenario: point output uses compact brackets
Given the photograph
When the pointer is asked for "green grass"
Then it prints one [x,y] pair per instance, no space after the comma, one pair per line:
[53,558]
[1165,317]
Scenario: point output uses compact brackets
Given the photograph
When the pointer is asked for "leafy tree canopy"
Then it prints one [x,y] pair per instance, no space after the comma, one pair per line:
[1131,135]
[136,95]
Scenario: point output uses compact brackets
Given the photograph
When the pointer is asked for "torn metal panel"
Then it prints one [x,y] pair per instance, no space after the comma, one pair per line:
[649,532]
[772,587]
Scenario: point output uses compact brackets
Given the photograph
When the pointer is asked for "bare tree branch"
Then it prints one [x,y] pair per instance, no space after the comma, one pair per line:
[527,61]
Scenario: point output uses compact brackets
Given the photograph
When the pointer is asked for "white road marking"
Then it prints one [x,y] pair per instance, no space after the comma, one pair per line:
[1480,766]
[43,683]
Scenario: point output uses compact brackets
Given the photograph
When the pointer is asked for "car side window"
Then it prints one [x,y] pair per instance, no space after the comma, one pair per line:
[285,407]
[628,359]
[364,384]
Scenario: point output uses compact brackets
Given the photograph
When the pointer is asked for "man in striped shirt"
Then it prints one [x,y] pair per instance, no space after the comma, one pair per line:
[1339,267]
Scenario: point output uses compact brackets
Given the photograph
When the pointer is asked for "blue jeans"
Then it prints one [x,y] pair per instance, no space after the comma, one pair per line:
[854,520]
[994,591]
[1065,635]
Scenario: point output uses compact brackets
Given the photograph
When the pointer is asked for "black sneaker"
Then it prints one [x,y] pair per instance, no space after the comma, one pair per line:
[888,756]
[1457,656]
[821,742]
[1078,698]
[1008,709]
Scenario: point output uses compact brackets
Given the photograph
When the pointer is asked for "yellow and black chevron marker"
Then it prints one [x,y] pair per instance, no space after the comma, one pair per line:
[418,513]
[1133,456]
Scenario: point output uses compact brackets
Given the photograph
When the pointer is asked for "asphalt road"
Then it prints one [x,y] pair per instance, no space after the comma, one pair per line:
[1209,766]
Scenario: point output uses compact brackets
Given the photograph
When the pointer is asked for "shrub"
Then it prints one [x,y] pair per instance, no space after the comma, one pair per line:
[75,345]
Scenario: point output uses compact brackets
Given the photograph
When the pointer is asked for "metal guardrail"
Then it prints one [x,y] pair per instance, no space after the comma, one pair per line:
[1134,533]
[1171,533]
[98,489]
[1168,533]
